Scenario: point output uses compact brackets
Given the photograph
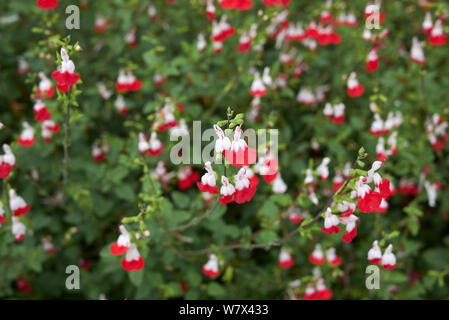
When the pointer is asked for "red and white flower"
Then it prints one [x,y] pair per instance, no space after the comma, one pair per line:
[437,37]
[239,154]
[227,191]
[210,10]
[375,254]
[257,87]
[222,30]
[355,89]
[279,186]
[317,256]
[159,80]
[131,38]
[65,75]
[210,269]
[127,82]
[372,62]
[132,260]
[223,143]
[244,190]
[101,24]
[417,52]
[337,181]
[351,227]
[155,145]
[41,112]
[306,96]
[17,205]
[285,259]
[323,169]
[331,222]
[208,180]
[368,200]
[310,292]
[99,152]
[7,162]
[322,293]
[120,105]
[152,13]
[201,43]
[48,128]
[332,257]
[187,177]
[26,138]
[123,242]
[47,4]
[18,229]
[23,66]
[45,89]
[427,24]
[388,258]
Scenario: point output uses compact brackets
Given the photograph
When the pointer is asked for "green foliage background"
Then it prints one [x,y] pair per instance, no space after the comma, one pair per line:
[99,195]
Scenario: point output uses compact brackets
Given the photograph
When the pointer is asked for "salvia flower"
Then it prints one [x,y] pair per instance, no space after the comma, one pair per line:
[317,256]
[41,112]
[257,87]
[127,82]
[17,205]
[123,242]
[227,191]
[279,186]
[417,52]
[388,258]
[355,89]
[18,229]
[427,24]
[239,154]
[437,37]
[332,257]
[285,259]
[375,254]
[210,10]
[45,89]
[132,261]
[210,269]
[120,105]
[155,145]
[187,177]
[7,162]
[2,214]
[65,75]
[47,4]
[331,223]
[372,61]
[208,180]
[236,4]
[26,138]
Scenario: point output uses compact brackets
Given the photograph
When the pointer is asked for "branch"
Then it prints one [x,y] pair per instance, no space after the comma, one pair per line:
[248,246]
[65,171]
[197,220]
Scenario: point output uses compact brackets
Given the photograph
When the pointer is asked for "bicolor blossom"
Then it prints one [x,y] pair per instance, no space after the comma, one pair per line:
[127,82]
[132,261]
[388,258]
[436,36]
[285,259]
[18,229]
[7,162]
[65,75]
[208,180]
[41,112]
[239,154]
[187,177]
[120,105]
[355,89]
[210,269]
[417,52]
[45,89]
[375,254]
[317,256]
[123,242]
[227,191]
[18,206]
[331,222]
[332,257]
[26,138]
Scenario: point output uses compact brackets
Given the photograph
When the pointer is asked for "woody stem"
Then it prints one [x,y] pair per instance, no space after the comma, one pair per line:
[65,171]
